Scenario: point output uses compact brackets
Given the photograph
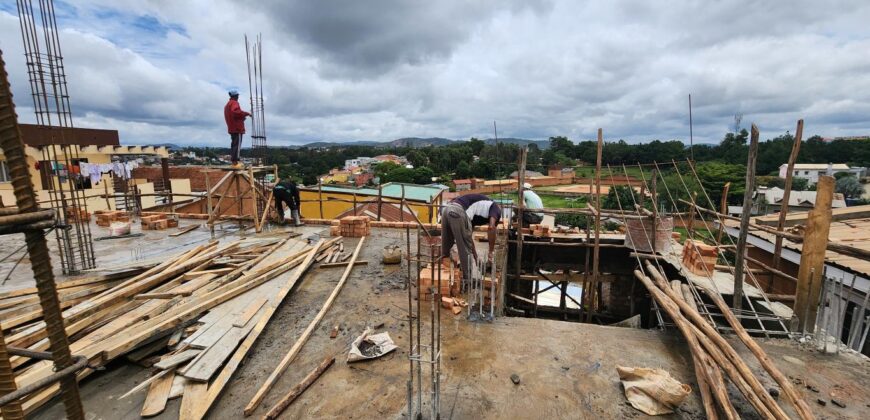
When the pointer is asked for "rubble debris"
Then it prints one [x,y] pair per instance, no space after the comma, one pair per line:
[515,378]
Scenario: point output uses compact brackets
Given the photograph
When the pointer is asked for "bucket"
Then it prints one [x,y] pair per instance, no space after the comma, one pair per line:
[119,228]
[392,254]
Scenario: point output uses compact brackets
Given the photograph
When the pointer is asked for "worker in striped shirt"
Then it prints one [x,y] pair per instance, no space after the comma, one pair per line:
[458,219]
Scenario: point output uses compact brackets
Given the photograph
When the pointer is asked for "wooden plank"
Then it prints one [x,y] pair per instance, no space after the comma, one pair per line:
[812,262]
[299,388]
[176,359]
[186,229]
[249,313]
[191,275]
[342,263]
[282,366]
[215,356]
[191,400]
[158,394]
[218,384]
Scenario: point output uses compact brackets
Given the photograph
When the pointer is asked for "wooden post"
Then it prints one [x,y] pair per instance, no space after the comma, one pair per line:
[813,255]
[167,184]
[739,261]
[654,199]
[208,203]
[106,188]
[320,195]
[596,251]
[354,203]
[690,229]
[521,204]
[783,208]
[254,206]
[402,208]
[723,209]
[380,200]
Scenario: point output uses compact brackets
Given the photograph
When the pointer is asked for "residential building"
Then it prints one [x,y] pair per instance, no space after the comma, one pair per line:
[423,200]
[812,171]
[86,146]
[462,184]
[796,200]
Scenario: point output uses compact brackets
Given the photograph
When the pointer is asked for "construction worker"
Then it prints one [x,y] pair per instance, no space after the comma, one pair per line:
[532,201]
[458,219]
[235,119]
[287,192]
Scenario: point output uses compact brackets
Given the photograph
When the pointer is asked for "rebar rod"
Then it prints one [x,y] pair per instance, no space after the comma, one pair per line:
[19,171]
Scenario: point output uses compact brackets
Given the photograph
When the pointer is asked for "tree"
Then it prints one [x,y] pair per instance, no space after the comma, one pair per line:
[417,158]
[627,196]
[423,175]
[849,186]
[463,170]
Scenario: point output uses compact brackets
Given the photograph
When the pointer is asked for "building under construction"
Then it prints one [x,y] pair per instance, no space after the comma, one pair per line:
[177,295]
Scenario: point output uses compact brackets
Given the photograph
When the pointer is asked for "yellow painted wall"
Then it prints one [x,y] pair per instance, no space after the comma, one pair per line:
[331,209]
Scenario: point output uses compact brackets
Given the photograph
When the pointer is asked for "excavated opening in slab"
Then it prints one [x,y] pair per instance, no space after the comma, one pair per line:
[556,274]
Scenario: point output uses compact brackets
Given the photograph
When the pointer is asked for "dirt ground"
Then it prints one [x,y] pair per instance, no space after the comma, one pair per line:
[566,370]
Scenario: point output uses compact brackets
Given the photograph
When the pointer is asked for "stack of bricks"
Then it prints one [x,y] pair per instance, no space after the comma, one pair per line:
[429,278]
[106,217]
[76,214]
[699,257]
[158,222]
[354,226]
[540,231]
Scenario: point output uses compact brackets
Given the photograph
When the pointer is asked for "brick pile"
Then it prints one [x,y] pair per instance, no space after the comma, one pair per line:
[540,231]
[429,278]
[354,226]
[699,257]
[158,222]
[106,217]
[76,214]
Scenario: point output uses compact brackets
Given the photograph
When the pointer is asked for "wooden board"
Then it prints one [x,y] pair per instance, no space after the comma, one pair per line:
[249,313]
[158,394]
[176,359]
[206,366]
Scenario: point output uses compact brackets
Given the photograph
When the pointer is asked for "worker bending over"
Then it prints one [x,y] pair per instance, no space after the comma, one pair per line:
[458,219]
[532,201]
[287,192]
[235,119]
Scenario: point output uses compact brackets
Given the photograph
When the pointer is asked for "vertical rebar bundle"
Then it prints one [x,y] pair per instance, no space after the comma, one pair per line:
[428,252]
[48,87]
[37,248]
[254,57]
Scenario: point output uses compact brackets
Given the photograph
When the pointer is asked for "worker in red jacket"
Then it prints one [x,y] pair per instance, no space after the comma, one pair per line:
[235,118]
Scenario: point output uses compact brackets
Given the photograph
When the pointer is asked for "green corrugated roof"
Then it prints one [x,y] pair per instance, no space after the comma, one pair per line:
[391,190]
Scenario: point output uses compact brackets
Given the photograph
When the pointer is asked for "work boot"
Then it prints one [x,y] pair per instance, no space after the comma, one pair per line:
[296,220]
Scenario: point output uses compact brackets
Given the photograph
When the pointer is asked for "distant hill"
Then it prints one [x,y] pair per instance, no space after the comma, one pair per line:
[422,142]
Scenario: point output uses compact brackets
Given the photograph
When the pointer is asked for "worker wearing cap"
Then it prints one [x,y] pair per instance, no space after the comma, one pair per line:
[235,119]
[532,201]
[458,219]
[286,192]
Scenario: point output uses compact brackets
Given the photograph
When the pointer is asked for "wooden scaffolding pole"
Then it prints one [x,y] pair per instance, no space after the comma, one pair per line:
[786,195]
[739,261]
[521,202]
[596,251]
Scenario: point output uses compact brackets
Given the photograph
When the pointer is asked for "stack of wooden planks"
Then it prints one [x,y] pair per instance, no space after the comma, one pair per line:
[191,318]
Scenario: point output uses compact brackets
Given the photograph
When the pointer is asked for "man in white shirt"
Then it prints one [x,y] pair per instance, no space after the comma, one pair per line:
[532,201]
[458,219]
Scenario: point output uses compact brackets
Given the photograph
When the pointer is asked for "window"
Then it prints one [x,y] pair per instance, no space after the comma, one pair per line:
[4,172]
[806,172]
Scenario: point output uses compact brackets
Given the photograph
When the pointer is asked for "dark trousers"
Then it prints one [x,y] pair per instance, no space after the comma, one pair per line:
[530,218]
[456,229]
[283,196]
[236,147]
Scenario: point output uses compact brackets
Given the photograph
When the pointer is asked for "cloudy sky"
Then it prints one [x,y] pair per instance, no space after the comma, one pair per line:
[158,71]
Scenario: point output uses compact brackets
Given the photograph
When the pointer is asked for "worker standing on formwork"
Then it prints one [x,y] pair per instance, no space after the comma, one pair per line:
[532,201]
[235,119]
[287,192]
[458,219]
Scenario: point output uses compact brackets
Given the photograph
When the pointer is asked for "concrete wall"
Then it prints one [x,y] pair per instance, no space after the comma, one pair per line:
[333,208]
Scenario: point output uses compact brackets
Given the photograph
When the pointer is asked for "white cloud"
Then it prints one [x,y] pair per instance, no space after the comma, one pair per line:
[347,70]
